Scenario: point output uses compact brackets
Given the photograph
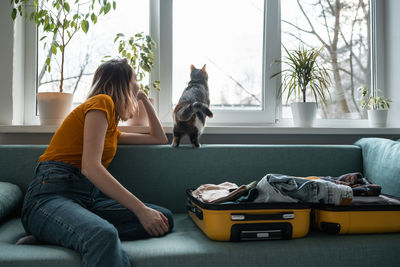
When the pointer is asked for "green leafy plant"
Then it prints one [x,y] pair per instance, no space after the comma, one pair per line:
[138,50]
[302,72]
[373,102]
[61,19]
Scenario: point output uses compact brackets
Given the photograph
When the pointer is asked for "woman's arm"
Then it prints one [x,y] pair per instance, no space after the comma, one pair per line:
[95,127]
[156,135]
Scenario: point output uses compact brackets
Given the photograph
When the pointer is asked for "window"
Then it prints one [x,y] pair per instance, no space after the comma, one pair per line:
[228,36]
[238,40]
[231,49]
[86,51]
[342,27]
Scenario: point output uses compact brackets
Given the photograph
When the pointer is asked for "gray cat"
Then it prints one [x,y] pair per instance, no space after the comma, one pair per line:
[193,107]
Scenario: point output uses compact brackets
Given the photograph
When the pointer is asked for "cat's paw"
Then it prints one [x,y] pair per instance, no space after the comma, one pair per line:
[174,144]
[175,141]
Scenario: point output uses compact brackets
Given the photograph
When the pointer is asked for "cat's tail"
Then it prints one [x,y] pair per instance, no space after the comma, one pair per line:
[185,113]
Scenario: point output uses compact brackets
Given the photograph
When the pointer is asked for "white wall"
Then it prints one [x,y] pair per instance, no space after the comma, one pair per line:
[6,62]
[392,58]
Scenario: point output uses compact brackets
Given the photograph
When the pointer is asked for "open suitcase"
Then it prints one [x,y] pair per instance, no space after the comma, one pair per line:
[365,214]
[249,221]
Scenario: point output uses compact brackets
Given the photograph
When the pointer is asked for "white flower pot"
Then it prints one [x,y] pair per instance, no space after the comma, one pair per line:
[377,118]
[303,113]
[54,107]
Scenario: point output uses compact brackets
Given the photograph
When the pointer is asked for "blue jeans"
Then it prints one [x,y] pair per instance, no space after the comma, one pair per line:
[285,188]
[63,207]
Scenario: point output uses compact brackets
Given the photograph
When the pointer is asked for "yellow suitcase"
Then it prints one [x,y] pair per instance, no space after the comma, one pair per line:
[365,214]
[249,221]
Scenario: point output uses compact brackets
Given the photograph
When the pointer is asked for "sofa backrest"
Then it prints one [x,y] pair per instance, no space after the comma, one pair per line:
[161,174]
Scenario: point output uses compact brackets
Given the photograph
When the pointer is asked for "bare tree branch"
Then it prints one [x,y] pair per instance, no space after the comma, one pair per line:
[297,27]
[326,23]
[311,26]
[237,83]
[332,48]
[83,67]
[298,38]
[68,78]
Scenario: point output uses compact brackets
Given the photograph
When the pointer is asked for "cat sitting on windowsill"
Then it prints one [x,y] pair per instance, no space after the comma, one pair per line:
[192,109]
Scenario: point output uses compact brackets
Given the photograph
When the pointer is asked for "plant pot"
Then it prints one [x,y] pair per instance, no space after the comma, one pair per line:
[303,113]
[377,118]
[54,107]
[140,118]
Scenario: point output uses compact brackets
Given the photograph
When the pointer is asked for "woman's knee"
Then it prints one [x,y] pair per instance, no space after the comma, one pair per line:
[106,233]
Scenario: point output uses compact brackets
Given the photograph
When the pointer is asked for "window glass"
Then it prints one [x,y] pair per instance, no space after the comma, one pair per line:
[86,51]
[227,36]
[342,26]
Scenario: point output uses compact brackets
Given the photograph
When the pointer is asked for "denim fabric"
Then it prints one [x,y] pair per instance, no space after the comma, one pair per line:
[268,193]
[311,191]
[63,207]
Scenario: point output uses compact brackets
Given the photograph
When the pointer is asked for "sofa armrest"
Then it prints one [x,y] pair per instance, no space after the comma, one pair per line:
[10,198]
[381,163]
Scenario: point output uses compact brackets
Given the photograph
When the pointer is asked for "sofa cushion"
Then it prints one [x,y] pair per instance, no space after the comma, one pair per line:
[10,198]
[188,246]
[381,163]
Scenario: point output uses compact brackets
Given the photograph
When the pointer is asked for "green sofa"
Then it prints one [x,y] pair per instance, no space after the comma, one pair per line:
[161,175]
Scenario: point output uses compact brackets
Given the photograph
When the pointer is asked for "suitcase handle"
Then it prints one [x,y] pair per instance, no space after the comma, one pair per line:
[261,231]
[265,216]
[192,208]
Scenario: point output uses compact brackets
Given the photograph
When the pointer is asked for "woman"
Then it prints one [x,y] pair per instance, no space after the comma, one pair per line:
[63,204]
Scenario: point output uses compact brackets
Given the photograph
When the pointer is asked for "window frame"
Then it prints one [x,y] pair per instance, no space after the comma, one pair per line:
[161,24]
[223,117]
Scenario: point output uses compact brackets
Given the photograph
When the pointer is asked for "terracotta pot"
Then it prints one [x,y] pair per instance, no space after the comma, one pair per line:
[304,113]
[140,118]
[54,107]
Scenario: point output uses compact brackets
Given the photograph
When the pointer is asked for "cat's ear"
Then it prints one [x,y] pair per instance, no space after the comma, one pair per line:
[192,67]
[203,68]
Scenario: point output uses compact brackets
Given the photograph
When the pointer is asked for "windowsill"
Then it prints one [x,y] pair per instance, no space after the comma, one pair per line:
[232,129]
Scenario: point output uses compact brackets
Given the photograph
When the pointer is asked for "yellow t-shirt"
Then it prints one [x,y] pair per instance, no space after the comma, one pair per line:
[67,143]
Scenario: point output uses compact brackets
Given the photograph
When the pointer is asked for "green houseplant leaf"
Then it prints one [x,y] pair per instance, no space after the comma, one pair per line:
[138,51]
[369,101]
[302,74]
[61,19]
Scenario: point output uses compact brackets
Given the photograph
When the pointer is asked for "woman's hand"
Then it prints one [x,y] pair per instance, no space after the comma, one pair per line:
[154,222]
[156,135]
[141,96]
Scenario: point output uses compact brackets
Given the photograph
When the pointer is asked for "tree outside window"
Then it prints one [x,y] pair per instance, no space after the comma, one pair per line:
[342,28]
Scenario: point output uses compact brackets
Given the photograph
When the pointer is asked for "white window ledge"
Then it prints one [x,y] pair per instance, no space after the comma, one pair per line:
[230,129]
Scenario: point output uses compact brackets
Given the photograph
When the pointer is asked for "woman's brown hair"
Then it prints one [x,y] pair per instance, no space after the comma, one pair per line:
[116,78]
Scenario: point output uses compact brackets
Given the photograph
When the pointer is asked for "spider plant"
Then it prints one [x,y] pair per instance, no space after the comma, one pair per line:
[302,71]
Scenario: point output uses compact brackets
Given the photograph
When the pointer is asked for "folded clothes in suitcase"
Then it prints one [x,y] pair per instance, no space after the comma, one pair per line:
[249,221]
[365,214]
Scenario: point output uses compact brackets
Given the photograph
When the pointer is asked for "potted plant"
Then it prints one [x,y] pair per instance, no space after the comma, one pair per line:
[377,107]
[61,20]
[301,75]
[138,50]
